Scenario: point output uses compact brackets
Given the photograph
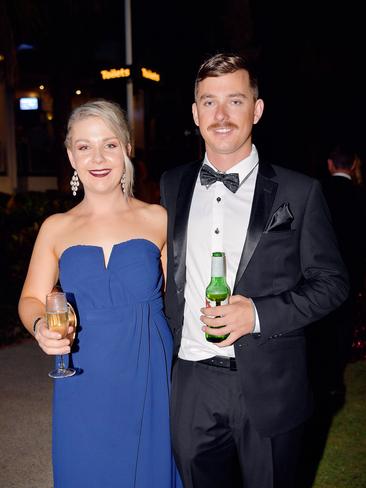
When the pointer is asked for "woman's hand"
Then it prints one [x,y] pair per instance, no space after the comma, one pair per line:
[51,342]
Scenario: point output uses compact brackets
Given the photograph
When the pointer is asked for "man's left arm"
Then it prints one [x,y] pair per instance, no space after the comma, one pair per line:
[322,288]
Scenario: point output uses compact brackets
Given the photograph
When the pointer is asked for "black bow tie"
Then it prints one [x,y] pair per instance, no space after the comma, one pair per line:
[208,176]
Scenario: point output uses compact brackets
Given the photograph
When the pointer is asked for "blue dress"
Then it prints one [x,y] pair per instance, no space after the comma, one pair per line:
[111,421]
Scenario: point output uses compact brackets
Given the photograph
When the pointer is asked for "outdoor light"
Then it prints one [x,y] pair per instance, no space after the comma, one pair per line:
[28,103]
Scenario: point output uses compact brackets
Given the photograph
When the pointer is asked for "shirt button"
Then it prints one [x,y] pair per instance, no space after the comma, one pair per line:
[217,231]
[218,199]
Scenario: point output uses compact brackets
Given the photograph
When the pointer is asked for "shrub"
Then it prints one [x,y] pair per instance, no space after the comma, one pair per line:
[20,218]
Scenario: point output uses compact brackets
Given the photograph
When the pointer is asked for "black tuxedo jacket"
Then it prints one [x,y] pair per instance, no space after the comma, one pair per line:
[290,267]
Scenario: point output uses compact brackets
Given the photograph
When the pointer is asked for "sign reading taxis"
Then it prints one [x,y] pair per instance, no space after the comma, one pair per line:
[130,71]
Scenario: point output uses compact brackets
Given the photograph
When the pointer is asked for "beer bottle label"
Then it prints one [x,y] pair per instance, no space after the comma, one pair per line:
[216,303]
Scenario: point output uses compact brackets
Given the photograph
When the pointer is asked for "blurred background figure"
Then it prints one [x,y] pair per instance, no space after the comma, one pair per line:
[330,340]
[344,195]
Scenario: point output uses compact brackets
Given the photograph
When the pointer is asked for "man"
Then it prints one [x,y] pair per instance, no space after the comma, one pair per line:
[346,205]
[334,337]
[238,406]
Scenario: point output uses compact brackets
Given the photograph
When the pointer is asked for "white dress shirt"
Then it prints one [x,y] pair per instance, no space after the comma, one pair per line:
[218,222]
[345,175]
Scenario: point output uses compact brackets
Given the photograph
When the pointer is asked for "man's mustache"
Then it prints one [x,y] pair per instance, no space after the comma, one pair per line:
[229,125]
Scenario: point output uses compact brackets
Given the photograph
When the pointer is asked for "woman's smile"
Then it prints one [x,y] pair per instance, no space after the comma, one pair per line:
[100,173]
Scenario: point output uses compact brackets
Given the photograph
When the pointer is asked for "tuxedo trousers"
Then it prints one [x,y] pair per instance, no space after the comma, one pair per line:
[214,442]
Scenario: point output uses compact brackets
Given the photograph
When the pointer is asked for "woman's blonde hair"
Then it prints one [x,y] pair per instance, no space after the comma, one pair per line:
[114,117]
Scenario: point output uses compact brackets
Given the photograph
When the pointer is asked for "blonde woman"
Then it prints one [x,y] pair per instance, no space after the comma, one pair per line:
[110,421]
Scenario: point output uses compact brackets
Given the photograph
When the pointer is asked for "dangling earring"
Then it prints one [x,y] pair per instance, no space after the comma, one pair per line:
[74,183]
[123,182]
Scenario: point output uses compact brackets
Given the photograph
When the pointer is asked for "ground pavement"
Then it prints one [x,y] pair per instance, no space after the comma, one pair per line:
[25,417]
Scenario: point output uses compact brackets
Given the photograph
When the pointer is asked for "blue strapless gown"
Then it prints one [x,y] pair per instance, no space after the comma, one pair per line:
[111,422]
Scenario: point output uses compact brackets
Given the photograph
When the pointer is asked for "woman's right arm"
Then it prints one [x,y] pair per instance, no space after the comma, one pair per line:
[41,278]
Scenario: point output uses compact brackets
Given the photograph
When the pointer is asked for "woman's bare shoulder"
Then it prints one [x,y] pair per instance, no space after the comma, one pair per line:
[156,214]
[56,223]
[157,210]
[153,209]
[149,221]
[55,220]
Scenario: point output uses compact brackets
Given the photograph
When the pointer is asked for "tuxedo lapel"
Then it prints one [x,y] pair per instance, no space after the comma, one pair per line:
[185,193]
[264,194]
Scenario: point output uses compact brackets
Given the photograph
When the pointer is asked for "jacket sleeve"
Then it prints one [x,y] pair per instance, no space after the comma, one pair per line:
[324,281]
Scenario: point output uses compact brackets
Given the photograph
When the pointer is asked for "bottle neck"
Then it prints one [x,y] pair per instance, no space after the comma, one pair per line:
[217,267]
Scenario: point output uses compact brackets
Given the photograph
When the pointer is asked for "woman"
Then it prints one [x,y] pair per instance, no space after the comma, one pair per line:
[111,422]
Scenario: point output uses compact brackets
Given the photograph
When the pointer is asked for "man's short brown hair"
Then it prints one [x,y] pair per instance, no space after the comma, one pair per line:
[223,64]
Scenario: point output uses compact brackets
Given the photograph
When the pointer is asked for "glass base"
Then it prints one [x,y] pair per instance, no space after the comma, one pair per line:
[61,373]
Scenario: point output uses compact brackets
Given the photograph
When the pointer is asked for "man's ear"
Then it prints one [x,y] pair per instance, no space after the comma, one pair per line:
[195,114]
[258,110]
[331,167]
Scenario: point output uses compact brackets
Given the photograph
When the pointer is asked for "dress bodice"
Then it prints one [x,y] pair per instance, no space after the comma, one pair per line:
[132,275]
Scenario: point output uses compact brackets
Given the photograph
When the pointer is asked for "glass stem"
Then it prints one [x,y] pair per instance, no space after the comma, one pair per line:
[61,363]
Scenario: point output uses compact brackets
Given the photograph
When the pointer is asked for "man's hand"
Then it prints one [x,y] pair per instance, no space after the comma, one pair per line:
[237,318]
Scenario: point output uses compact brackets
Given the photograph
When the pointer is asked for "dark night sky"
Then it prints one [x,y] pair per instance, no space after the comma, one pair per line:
[309,55]
[310,58]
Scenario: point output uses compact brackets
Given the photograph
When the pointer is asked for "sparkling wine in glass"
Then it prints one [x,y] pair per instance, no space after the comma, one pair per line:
[57,317]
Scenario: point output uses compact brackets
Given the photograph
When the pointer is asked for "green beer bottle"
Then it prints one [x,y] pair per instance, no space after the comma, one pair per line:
[218,291]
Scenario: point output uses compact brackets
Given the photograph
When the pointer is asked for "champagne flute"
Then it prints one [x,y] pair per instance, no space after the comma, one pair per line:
[57,317]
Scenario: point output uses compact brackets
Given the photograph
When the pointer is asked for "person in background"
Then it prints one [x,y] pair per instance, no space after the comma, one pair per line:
[111,422]
[346,204]
[238,407]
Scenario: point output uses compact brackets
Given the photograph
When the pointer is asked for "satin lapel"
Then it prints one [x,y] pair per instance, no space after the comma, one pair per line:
[185,193]
[264,194]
